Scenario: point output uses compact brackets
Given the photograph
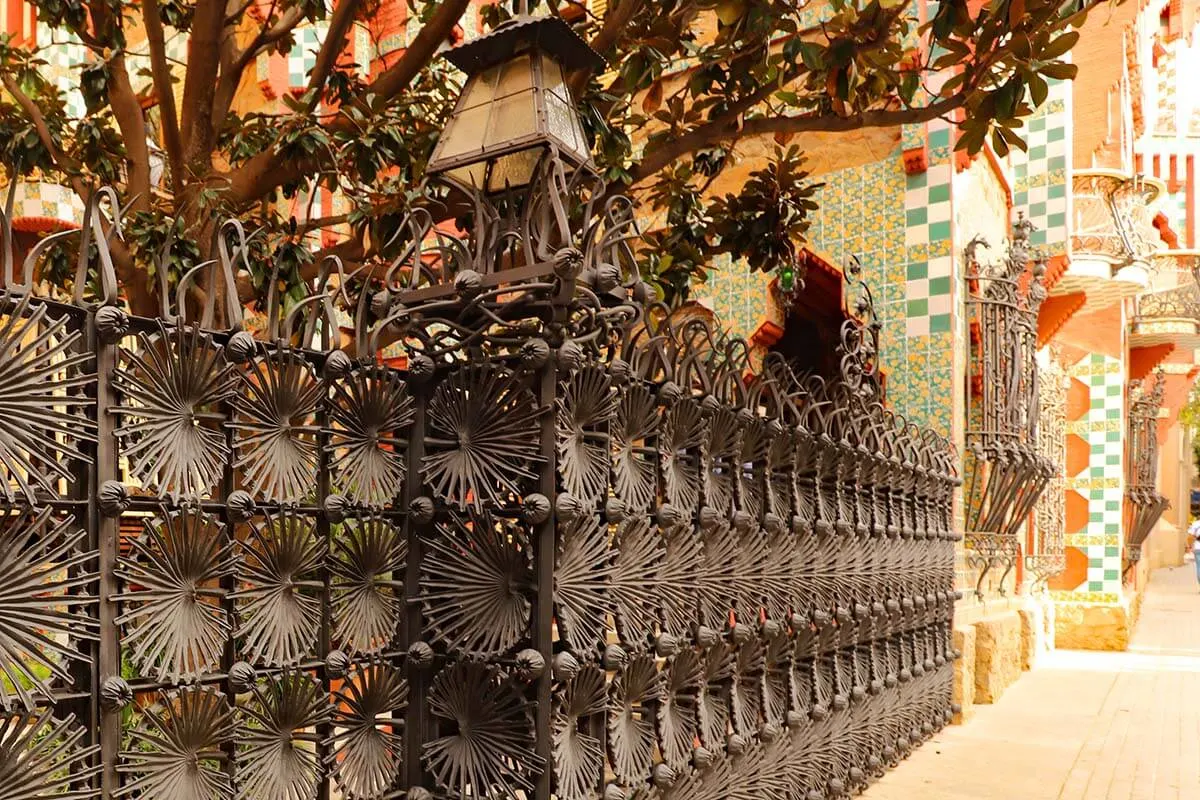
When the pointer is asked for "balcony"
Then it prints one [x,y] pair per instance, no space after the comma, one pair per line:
[1144,504]
[1113,240]
[1005,471]
[1170,315]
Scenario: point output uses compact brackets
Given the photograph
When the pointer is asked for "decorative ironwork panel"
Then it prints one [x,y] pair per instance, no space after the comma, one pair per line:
[575,547]
[1005,471]
[1144,504]
[1047,552]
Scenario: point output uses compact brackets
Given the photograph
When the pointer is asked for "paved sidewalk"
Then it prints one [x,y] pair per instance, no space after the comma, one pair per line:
[1082,726]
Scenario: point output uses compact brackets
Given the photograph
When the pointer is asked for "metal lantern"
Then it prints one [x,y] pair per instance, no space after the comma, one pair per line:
[515,106]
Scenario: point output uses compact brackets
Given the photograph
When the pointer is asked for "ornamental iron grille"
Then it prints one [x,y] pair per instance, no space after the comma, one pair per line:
[574,548]
[1143,502]
[1047,557]
[1005,471]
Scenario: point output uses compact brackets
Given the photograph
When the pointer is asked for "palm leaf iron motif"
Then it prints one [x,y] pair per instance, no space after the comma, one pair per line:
[43,408]
[172,392]
[46,613]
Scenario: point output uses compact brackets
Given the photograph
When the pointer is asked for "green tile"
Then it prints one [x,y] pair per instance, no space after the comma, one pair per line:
[939,137]
[1112,436]
[1112,551]
[1096,516]
[1112,505]
[939,194]
[1037,152]
[939,323]
[1112,529]
[939,231]
[1057,220]
[1057,162]
[1056,191]
[916,216]
[939,286]
[1095,586]
[918,181]
[917,270]
[918,308]
[1056,134]
[1096,563]
[1112,574]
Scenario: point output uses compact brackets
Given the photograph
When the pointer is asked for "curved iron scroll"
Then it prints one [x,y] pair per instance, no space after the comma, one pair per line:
[1005,471]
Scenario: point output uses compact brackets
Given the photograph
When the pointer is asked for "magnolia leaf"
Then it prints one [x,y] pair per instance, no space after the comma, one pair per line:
[1060,46]
[1059,71]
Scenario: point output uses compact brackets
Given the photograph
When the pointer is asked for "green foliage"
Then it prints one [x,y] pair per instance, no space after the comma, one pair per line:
[689,80]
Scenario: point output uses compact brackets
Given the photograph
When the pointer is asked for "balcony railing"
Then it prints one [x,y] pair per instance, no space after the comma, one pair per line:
[1005,472]
[1113,239]
[1047,552]
[1143,502]
[1172,313]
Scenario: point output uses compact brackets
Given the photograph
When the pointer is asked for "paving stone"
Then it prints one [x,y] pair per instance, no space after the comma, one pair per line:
[1083,725]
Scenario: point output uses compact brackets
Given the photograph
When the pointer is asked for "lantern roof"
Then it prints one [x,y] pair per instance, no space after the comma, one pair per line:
[551,35]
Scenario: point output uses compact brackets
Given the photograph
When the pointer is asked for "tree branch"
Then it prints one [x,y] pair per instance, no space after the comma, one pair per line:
[140,299]
[234,62]
[420,51]
[616,20]
[199,84]
[727,128]
[270,169]
[161,72]
[131,121]
[331,48]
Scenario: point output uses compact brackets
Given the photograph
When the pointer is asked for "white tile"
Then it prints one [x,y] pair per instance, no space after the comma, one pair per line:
[917,326]
[917,234]
[941,304]
[916,289]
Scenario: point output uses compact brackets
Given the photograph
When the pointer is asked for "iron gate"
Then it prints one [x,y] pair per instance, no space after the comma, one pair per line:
[573,548]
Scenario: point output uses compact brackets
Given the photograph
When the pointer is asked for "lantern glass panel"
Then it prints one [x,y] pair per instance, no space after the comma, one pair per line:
[514,170]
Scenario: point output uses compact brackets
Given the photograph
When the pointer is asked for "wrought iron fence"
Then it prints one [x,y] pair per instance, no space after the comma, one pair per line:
[574,548]
[1143,502]
[1005,471]
[1047,556]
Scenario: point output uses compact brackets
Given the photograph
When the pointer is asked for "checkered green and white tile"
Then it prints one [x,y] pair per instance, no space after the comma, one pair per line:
[303,55]
[38,199]
[1102,483]
[1041,174]
[64,56]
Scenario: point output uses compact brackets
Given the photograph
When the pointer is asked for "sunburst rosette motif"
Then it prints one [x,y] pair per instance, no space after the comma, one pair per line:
[370,412]
[41,756]
[583,574]
[482,438]
[633,695]
[175,625]
[43,407]
[172,390]
[176,750]
[278,600]
[578,752]
[277,736]
[367,747]
[484,742]
[585,407]
[46,609]
[275,430]
[367,566]
[634,471]
[477,583]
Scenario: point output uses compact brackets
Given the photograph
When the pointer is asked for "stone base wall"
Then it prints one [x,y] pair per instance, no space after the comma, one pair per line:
[1093,626]
[997,644]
